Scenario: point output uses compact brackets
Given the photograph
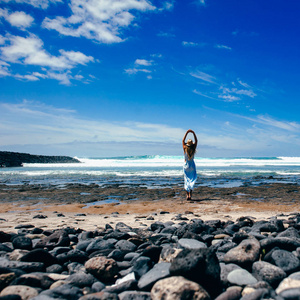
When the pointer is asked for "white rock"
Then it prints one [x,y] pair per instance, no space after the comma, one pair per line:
[25,292]
[177,288]
[57,284]
[56,276]
[128,277]
[288,283]
[17,254]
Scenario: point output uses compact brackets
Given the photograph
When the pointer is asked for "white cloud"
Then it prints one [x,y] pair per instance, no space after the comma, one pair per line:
[223,47]
[78,77]
[143,62]
[204,95]
[157,55]
[189,44]
[76,57]
[201,2]
[204,76]
[135,71]
[222,92]
[229,91]
[20,19]
[244,84]
[141,66]
[101,21]
[166,34]
[168,5]
[29,77]
[36,3]
[30,51]
[62,77]
[229,98]
[193,44]
[285,125]
[4,71]
[2,39]
[38,126]
[31,123]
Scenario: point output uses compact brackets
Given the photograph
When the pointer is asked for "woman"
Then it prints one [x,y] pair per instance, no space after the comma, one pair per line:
[189,168]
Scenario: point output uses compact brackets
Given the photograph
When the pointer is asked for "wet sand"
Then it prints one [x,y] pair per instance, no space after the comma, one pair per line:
[60,206]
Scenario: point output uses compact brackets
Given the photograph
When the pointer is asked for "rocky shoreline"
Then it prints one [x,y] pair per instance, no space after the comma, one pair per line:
[184,258]
[272,193]
[16,159]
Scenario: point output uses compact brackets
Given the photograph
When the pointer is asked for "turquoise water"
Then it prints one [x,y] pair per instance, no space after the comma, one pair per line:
[157,171]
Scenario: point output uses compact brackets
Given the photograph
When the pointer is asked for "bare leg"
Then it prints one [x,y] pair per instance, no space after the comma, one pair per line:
[191,192]
[187,195]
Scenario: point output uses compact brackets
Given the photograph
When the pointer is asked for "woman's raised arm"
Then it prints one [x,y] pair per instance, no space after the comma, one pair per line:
[183,140]
[196,140]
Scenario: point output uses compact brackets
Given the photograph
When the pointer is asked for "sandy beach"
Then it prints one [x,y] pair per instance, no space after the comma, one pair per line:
[90,207]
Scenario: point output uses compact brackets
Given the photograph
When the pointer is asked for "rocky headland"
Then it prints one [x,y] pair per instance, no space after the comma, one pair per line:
[16,159]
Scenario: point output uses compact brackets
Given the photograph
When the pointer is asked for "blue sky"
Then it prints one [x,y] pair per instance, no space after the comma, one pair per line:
[129,77]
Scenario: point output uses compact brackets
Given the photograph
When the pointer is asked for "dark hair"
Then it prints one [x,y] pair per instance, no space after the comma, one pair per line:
[190,150]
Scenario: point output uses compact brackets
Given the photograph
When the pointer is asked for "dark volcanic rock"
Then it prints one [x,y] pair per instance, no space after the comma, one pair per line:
[125,246]
[11,297]
[24,266]
[40,255]
[291,232]
[285,260]
[16,159]
[100,296]
[6,279]
[123,227]
[159,271]
[66,291]
[174,261]
[56,239]
[153,252]
[40,280]
[81,279]
[4,237]
[22,242]
[284,243]
[201,266]
[73,256]
[265,271]
[141,265]
[233,293]
[99,245]
[5,248]
[134,295]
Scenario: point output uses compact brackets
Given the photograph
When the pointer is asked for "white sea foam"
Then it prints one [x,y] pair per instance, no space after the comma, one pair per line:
[129,169]
[170,161]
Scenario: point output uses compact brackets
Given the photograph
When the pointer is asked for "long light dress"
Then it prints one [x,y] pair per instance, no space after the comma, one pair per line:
[190,174]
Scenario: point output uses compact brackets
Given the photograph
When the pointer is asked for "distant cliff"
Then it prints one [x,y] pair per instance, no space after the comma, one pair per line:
[15,159]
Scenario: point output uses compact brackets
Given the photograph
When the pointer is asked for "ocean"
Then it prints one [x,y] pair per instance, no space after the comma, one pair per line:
[157,172]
